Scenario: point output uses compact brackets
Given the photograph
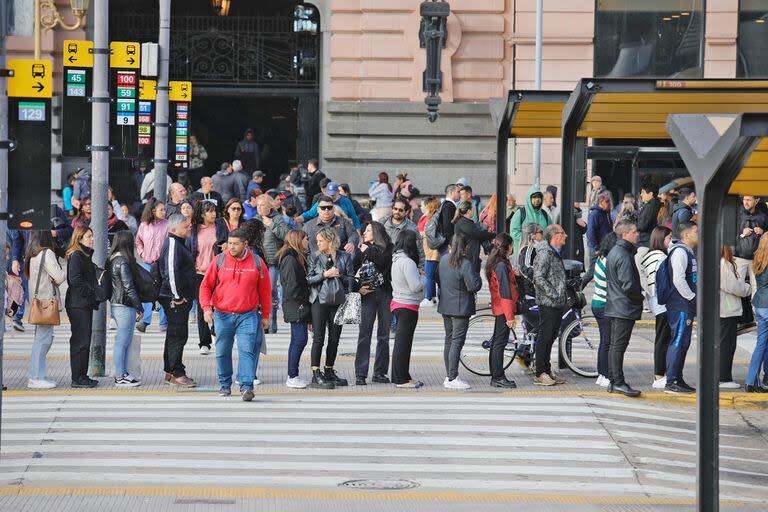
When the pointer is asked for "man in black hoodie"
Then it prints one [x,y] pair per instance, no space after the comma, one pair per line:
[647,220]
[315,177]
[683,210]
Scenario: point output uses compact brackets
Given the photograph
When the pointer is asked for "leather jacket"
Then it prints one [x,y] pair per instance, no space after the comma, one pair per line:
[124,290]
[625,294]
[319,263]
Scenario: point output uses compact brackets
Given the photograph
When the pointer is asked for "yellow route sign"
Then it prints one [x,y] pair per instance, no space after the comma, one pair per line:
[125,55]
[31,78]
[180,91]
[147,90]
[77,54]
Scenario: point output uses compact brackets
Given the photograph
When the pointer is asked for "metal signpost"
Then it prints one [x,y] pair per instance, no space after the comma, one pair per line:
[29,116]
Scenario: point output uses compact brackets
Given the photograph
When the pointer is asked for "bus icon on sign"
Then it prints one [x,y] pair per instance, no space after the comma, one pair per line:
[38,71]
[72,48]
[130,49]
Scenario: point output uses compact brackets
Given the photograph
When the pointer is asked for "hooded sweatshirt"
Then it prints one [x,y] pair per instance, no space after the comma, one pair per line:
[228,185]
[519,220]
[237,287]
[407,284]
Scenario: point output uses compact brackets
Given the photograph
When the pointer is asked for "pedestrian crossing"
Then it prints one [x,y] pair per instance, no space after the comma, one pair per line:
[440,443]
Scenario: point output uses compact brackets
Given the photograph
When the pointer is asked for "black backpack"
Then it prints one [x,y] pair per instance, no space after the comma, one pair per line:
[147,284]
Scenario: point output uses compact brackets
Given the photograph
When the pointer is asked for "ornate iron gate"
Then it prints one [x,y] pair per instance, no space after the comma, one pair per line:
[266,51]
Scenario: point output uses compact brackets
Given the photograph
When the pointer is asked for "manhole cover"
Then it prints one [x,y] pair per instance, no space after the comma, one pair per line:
[380,485]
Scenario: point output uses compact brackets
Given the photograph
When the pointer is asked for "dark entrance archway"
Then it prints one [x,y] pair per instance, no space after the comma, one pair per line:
[255,68]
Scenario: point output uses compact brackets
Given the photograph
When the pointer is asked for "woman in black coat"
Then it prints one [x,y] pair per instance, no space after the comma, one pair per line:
[474,233]
[325,265]
[80,304]
[374,304]
[292,263]
[459,282]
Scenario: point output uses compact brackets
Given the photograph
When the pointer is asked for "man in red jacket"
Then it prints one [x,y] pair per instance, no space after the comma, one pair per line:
[235,287]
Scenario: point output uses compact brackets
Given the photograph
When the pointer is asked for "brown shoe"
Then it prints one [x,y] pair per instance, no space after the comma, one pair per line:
[558,379]
[543,380]
[182,382]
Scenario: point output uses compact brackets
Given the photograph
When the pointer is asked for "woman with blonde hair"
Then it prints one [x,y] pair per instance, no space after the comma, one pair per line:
[429,207]
[760,303]
[297,311]
[330,275]
[80,304]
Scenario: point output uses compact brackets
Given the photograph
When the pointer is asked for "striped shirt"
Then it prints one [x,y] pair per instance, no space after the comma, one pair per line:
[599,298]
[650,265]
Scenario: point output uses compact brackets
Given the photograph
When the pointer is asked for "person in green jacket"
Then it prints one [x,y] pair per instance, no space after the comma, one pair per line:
[528,215]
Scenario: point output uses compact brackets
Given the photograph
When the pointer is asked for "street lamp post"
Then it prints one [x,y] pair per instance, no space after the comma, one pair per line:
[433,34]
[47,16]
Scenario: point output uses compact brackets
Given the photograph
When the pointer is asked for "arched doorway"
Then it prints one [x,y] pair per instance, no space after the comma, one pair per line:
[256,68]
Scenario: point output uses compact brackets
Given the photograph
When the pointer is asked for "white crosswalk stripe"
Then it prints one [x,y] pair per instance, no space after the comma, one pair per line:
[441,442]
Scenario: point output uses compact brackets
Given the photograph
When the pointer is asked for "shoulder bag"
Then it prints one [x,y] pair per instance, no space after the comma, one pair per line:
[44,311]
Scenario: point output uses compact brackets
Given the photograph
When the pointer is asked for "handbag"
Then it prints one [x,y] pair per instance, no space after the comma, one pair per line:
[349,312]
[146,285]
[44,311]
[332,293]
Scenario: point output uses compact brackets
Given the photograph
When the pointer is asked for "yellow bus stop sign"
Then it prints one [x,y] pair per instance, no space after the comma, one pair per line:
[31,78]
[180,91]
[77,54]
[125,55]
[147,90]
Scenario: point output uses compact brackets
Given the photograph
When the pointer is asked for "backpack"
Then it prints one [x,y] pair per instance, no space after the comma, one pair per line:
[147,284]
[664,284]
[103,288]
[435,239]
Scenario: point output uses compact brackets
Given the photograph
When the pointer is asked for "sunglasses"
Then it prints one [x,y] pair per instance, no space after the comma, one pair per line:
[326,208]
[235,208]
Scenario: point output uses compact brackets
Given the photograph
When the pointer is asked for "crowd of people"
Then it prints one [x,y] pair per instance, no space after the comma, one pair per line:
[235,254]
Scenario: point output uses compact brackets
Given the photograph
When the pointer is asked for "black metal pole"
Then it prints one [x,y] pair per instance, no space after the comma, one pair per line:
[502,147]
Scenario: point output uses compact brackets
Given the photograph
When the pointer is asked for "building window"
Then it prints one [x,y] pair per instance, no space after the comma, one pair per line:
[649,38]
[752,57]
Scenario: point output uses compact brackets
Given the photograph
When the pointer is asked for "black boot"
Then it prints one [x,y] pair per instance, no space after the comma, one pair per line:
[331,376]
[319,381]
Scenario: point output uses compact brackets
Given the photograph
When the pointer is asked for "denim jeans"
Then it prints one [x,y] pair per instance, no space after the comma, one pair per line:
[430,267]
[299,338]
[40,348]
[758,356]
[125,318]
[147,306]
[274,278]
[247,328]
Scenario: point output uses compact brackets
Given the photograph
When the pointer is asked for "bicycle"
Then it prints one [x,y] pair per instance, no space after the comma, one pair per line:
[578,340]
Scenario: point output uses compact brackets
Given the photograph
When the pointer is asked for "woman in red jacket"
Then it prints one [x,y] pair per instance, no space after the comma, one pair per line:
[501,280]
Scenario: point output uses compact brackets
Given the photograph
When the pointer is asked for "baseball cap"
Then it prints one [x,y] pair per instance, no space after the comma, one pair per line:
[332,188]
[464,182]
[258,174]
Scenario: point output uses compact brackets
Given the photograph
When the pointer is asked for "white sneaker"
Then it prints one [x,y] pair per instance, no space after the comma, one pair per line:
[660,383]
[445,382]
[256,382]
[296,383]
[426,303]
[204,351]
[457,383]
[603,381]
[40,384]
[126,382]
[730,385]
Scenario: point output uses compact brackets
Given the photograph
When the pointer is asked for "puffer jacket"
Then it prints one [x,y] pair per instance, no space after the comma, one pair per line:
[293,279]
[273,237]
[549,277]
[733,287]
[458,287]
[81,278]
[625,294]
[319,263]
[124,291]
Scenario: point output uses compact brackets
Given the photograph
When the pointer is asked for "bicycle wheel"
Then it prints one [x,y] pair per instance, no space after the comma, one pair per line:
[474,355]
[578,346]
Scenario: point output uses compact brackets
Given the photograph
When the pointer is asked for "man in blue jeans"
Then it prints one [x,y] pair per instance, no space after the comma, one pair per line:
[236,293]
[681,305]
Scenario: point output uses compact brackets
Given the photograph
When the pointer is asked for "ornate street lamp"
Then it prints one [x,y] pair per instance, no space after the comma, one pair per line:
[48,17]
[432,36]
